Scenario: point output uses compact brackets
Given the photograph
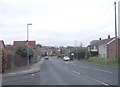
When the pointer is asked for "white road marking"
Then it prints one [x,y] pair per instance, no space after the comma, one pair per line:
[75,72]
[103,70]
[96,80]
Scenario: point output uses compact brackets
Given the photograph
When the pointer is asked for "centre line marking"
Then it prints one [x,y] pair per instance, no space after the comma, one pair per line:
[97,80]
[75,72]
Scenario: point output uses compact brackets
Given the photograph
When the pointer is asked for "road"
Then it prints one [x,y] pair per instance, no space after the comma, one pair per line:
[55,71]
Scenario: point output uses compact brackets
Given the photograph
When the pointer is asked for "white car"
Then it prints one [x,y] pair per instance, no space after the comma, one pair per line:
[66,58]
[46,57]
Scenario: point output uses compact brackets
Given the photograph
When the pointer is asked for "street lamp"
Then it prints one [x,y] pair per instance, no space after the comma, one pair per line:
[28,42]
[28,31]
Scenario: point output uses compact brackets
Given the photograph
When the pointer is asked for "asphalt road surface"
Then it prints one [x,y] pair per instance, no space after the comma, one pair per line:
[55,71]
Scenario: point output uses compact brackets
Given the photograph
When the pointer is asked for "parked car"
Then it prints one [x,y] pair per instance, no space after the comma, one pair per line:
[46,57]
[66,58]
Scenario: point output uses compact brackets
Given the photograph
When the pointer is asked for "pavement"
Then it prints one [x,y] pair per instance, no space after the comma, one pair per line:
[24,70]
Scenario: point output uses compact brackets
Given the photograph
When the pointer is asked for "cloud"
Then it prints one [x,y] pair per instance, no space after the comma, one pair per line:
[56,22]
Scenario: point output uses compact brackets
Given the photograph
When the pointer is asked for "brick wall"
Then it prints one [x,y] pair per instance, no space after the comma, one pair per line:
[9,60]
[111,51]
[119,48]
[18,61]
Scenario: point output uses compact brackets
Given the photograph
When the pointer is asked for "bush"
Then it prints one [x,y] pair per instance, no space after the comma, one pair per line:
[21,50]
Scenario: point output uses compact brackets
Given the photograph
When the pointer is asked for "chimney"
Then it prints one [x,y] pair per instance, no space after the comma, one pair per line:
[99,38]
[108,36]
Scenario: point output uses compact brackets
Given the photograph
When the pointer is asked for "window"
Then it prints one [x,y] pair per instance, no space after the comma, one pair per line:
[92,47]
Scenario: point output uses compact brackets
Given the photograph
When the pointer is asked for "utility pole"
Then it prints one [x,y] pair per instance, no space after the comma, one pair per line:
[115,21]
[116,31]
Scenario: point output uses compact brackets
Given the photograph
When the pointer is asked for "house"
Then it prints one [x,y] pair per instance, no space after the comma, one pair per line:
[106,48]
[31,44]
[19,61]
[48,50]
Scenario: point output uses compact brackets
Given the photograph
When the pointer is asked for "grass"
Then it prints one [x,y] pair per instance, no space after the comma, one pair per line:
[105,62]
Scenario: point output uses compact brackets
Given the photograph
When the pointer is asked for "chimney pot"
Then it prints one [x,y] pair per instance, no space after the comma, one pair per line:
[108,36]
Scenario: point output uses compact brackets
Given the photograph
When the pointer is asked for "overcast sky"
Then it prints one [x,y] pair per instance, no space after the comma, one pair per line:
[56,22]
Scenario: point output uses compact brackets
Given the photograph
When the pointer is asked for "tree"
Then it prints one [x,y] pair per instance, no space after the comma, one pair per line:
[39,45]
[22,51]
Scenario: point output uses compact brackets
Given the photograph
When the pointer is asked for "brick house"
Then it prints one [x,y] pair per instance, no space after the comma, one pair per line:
[106,48]
[31,44]
[24,61]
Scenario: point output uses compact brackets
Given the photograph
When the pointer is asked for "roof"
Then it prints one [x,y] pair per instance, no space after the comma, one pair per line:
[100,42]
[2,43]
[30,44]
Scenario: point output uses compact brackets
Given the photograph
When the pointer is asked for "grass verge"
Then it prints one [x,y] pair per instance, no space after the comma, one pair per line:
[105,62]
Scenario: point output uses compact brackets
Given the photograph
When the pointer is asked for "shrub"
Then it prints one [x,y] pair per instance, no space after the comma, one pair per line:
[21,50]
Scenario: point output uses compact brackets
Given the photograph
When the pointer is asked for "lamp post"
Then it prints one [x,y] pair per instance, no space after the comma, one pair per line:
[28,41]
[28,31]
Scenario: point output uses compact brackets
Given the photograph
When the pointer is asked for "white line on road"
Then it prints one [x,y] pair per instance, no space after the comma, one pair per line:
[96,80]
[75,72]
[103,70]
